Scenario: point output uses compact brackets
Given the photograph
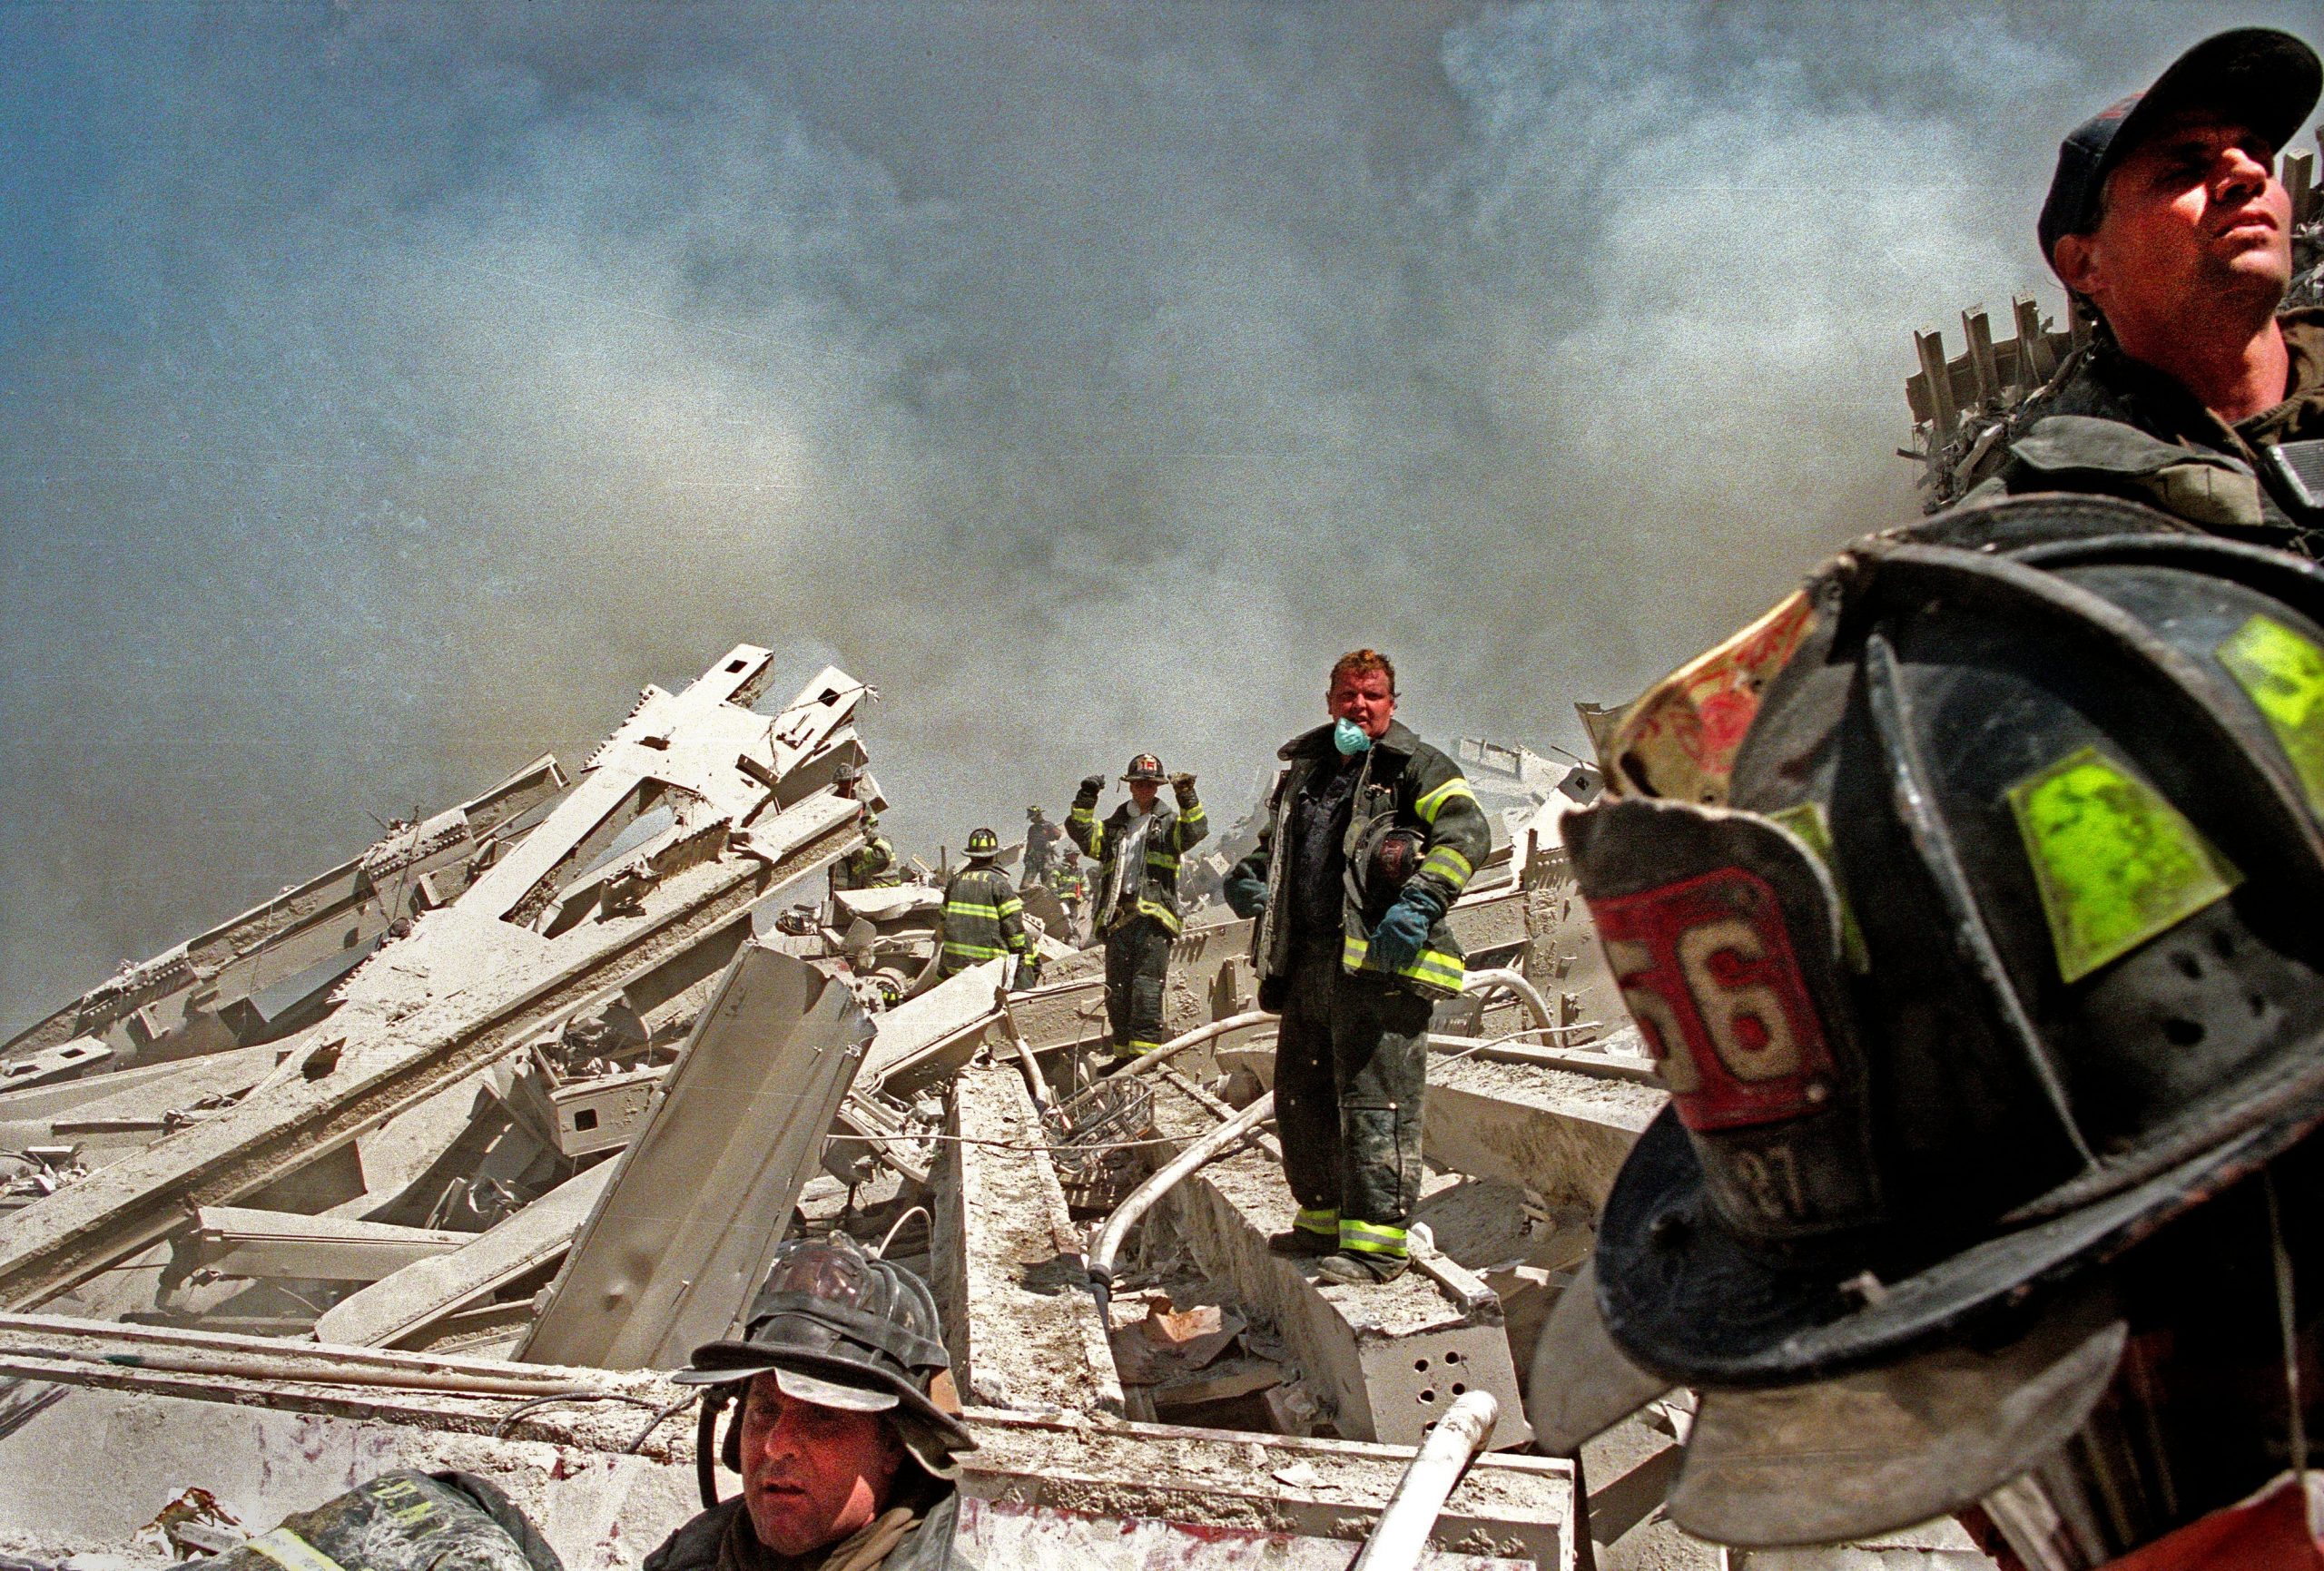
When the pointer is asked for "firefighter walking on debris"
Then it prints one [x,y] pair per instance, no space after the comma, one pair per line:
[983,917]
[1370,835]
[844,1430]
[1136,850]
[1070,884]
[1040,845]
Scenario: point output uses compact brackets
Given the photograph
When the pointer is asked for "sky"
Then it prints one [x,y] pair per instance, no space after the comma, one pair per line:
[392,389]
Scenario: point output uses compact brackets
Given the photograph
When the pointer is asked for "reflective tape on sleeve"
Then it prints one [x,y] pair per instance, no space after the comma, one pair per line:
[1429,805]
[2116,864]
[1449,865]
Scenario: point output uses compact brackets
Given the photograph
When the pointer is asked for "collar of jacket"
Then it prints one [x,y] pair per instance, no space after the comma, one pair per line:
[2155,401]
[1317,743]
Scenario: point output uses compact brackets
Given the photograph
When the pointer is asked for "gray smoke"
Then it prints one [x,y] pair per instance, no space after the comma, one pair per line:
[391,390]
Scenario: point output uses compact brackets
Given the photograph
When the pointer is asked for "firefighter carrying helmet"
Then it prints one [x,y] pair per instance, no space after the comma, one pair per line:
[1146,767]
[2088,746]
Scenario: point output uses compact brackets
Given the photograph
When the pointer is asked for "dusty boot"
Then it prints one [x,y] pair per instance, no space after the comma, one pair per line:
[1361,1270]
[1300,1243]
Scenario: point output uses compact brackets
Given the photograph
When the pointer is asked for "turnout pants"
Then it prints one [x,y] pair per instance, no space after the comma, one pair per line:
[1351,1068]
[1137,961]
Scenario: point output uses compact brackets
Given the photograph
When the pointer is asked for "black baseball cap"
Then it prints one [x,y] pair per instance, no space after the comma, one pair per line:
[2267,79]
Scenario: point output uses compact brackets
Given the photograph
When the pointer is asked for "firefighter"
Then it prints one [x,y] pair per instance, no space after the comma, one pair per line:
[1040,845]
[983,918]
[844,1430]
[2167,215]
[1355,964]
[2170,222]
[1070,885]
[1992,1007]
[402,1521]
[1136,850]
[869,866]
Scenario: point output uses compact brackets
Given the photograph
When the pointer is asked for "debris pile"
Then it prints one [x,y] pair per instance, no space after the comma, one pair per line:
[441,1159]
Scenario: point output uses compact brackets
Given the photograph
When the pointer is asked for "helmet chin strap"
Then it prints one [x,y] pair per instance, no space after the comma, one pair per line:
[707,1451]
[2289,1320]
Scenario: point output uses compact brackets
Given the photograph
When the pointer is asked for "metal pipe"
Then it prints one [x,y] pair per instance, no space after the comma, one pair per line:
[1493,976]
[1034,1087]
[1163,1180]
[1195,1038]
[1401,1535]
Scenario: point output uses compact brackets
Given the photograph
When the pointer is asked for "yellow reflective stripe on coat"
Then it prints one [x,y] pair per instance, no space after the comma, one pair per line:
[292,1553]
[1438,968]
[973,951]
[1449,865]
[1162,914]
[1009,906]
[1434,966]
[1163,859]
[1371,1237]
[1429,805]
[972,908]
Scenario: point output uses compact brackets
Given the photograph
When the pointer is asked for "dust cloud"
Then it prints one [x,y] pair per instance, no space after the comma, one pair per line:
[392,389]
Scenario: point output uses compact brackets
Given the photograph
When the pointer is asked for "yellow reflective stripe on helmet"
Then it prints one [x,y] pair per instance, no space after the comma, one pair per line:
[2283,674]
[1326,1222]
[1371,1237]
[1449,865]
[292,1553]
[1429,805]
[2114,862]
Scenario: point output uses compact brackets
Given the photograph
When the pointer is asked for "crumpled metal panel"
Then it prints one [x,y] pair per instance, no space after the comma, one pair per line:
[669,1258]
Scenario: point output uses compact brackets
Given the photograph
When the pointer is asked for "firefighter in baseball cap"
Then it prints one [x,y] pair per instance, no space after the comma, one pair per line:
[983,918]
[1991,1002]
[1136,850]
[844,1428]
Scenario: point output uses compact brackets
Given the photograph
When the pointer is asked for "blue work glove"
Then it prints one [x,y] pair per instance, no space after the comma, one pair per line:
[1396,941]
[1246,897]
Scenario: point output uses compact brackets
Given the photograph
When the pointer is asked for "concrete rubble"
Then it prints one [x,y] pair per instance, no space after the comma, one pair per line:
[414,1166]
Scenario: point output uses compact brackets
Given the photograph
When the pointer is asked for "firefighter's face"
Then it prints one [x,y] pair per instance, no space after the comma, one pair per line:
[1365,701]
[812,1475]
[1144,792]
[2196,209]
